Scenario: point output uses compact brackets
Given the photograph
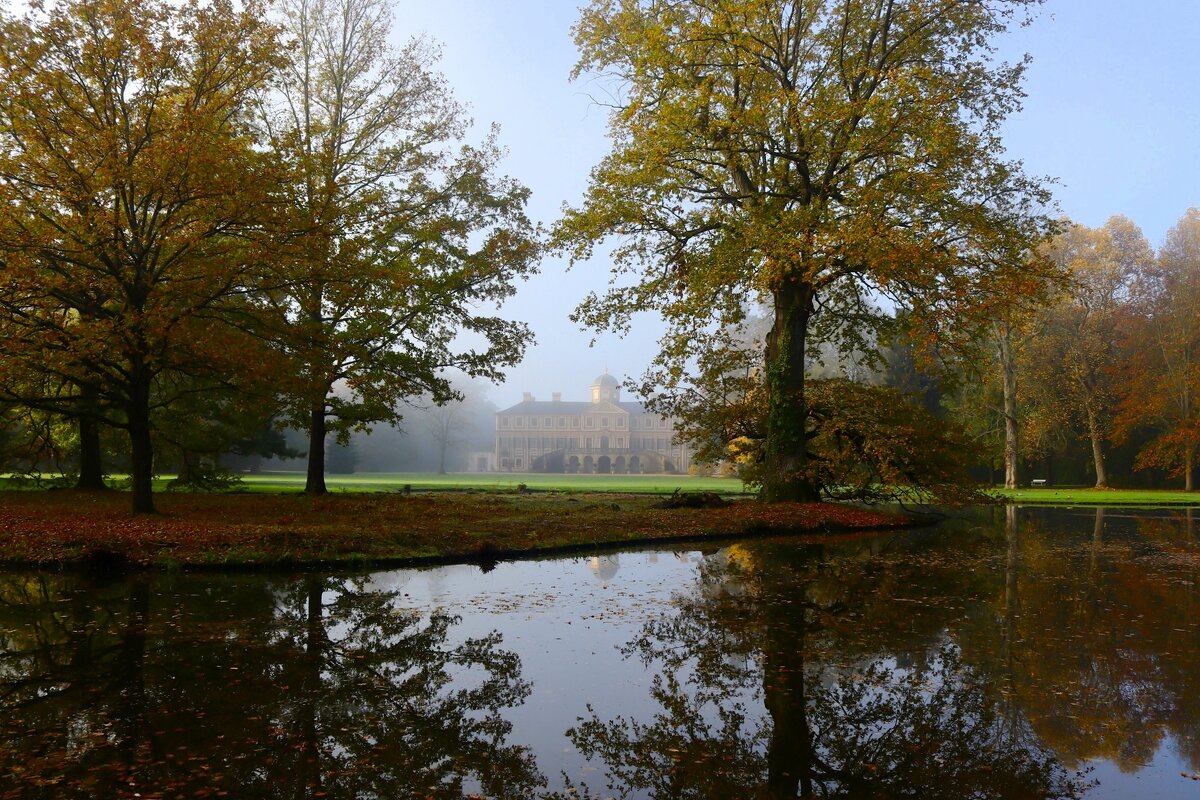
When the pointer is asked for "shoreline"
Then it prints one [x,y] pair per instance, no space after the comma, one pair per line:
[75,530]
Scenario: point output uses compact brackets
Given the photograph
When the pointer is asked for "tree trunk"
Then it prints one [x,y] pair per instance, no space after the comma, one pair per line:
[786,452]
[91,459]
[315,483]
[1097,449]
[441,457]
[1008,366]
[1189,459]
[141,447]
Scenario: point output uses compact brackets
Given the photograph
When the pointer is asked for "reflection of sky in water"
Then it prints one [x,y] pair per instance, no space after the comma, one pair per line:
[568,620]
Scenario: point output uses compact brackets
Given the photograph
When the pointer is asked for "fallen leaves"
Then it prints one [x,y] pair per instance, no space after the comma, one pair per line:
[58,527]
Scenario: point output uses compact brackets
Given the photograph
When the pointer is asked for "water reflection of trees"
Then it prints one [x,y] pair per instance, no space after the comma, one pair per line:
[1098,637]
[847,649]
[302,688]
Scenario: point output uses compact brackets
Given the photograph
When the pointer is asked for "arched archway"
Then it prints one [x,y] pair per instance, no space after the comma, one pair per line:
[635,466]
[573,464]
[589,466]
[619,465]
[603,465]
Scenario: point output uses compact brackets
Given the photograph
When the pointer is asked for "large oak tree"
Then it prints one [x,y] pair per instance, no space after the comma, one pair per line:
[814,155]
[130,191]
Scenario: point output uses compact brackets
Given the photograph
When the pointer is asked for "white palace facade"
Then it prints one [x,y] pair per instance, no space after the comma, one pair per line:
[602,436]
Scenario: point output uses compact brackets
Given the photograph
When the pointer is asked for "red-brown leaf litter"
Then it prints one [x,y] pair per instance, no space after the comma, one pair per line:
[67,527]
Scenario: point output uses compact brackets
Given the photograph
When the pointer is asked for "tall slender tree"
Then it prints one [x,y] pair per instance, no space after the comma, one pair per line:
[402,238]
[813,155]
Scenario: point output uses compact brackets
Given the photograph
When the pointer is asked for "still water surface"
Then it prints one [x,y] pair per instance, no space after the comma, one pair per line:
[1021,653]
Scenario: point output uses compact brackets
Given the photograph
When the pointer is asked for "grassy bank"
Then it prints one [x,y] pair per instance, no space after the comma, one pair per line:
[64,527]
[490,481]
[1051,496]
[283,482]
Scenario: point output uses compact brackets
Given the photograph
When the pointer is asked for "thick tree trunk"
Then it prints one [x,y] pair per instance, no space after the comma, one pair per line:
[1097,449]
[91,457]
[1008,366]
[141,447]
[786,453]
[315,483]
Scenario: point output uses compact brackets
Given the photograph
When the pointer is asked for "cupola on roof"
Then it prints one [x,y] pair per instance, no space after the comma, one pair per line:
[607,381]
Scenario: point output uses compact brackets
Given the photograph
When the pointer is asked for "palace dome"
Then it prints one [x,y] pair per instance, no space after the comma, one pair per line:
[607,381]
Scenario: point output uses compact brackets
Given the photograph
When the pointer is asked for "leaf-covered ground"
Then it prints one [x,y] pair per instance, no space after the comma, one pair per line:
[67,526]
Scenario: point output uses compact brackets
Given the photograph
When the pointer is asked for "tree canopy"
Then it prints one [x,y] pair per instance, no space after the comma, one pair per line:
[131,195]
[823,158]
[399,236]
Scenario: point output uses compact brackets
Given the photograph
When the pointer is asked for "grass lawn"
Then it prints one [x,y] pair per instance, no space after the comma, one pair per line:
[283,482]
[1100,497]
[395,481]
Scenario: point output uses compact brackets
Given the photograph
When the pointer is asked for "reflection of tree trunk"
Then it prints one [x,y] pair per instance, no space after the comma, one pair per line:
[790,753]
[1012,613]
[133,681]
[1097,538]
[313,656]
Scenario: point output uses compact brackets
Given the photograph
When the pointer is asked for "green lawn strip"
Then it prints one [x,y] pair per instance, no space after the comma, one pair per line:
[1099,497]
[493,482]
[277,482]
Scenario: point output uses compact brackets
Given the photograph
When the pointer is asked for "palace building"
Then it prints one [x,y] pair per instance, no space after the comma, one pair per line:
[602,436]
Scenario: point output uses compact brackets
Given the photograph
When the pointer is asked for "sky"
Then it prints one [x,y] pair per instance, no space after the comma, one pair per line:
[1112,114]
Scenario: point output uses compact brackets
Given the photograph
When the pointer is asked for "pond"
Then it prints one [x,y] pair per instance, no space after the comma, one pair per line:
[1008,653]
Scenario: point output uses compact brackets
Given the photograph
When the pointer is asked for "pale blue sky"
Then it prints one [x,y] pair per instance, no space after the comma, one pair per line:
[1113,112]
